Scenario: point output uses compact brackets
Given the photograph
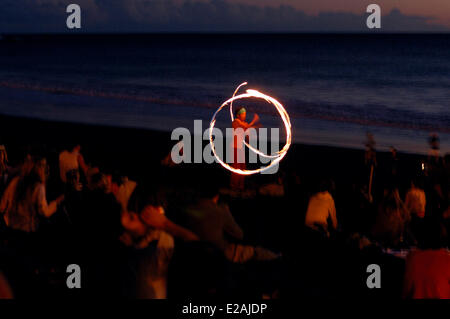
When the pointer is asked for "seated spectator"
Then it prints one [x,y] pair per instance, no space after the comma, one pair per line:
[24,200]
[415,199]
[150,231]
[321,209]
[212,222]
[415,202]
[391,219]
[146,212]
[427,273]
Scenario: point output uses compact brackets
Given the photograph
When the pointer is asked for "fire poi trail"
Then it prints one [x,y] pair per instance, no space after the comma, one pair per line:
[278,156]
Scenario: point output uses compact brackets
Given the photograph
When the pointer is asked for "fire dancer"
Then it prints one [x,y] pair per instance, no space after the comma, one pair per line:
[240,127]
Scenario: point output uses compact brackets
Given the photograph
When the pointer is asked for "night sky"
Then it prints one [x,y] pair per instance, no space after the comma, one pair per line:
[29,16]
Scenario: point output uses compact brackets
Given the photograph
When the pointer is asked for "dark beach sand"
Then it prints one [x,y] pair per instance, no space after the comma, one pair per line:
[138,152]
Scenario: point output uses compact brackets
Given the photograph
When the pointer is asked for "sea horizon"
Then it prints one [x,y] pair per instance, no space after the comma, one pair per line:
[335,87]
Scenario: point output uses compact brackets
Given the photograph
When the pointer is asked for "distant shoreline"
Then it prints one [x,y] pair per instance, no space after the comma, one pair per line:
[139,151]
[163,132]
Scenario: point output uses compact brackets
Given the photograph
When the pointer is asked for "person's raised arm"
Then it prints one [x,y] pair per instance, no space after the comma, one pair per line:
[255,120]
[44,208]
[153,217]
[82,164]
[178,231]
[7,197]
[237,123]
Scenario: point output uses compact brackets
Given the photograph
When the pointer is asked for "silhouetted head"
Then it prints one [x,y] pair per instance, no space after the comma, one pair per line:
[146,196]
[417,181]
[76,148]
[322,184]
[73,147]
[98,182]
[208,191]
[241,114]
[73,178]
[435,235]
[393,151]
[434,140]
[116,181]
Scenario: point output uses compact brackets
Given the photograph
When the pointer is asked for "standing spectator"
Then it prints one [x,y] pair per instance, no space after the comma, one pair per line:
[434,143]
[24,201]
[393,167]
[370,159]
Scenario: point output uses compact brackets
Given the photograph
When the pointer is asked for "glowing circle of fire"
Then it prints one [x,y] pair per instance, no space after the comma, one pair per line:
[278,156]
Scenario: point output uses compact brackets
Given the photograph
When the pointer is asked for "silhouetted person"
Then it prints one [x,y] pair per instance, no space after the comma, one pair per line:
[415,202]
[211,221]
[321,212]
[434,142]
[371,162]
[25,201]
[71,160]
[151,234]
[391,219]
[4,169]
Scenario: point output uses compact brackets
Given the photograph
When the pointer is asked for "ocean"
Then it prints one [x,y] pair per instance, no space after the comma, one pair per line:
[335,87]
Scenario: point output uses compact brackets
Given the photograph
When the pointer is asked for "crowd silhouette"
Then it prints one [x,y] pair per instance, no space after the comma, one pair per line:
[148,239]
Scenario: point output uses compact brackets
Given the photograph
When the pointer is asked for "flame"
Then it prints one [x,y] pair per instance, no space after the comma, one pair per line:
[276,158]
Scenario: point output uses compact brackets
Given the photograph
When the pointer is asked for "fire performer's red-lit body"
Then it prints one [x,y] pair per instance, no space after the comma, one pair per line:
[239,132]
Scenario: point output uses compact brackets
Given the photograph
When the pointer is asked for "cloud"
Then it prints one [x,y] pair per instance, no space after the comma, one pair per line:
[192,16]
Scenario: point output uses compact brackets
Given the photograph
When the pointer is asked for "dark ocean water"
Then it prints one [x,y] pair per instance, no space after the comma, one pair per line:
[335,87]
